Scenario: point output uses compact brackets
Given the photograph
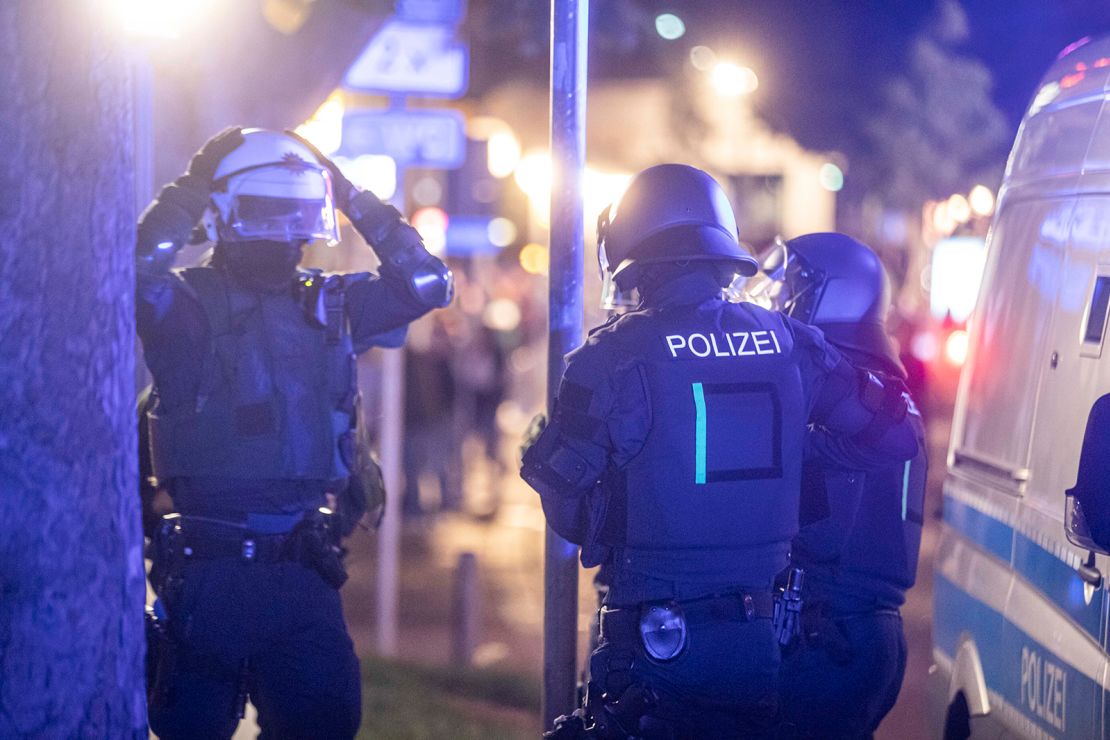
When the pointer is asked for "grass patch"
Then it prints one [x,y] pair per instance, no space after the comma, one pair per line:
[406,701]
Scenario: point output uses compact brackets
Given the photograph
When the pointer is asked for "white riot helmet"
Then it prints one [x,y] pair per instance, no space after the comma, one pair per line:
[271,187]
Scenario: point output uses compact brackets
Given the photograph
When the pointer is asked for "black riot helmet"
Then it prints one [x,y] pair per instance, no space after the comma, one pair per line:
[669,213]
[838,284]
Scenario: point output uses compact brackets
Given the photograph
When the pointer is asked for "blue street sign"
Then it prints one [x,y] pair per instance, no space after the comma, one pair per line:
[405,58]
[446,12]
[413,138]
[469,235]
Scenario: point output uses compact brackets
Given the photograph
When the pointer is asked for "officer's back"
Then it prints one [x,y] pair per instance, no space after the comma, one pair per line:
[673,456]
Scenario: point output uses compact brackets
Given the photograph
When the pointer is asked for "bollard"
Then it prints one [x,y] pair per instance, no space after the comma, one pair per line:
[465,610]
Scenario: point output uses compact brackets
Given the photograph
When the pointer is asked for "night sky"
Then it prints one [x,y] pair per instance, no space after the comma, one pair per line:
[822,63]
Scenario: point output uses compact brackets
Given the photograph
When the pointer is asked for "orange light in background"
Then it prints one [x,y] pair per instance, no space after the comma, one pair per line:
[533,258]
[325,128]
[981,200]
[1072,80]
[431,223]
[955,347]
[959,209]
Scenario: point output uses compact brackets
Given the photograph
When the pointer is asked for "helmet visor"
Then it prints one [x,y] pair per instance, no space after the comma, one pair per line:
[802,288]
[613,297]
[277,204]
[767,288]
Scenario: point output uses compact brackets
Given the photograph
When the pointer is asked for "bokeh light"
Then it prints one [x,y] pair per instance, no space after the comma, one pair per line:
[959,209]
[669,26]
[533,258]
[703,58]
[981,200]
[955,347]
[501,232]
[731,80]
[431,223]
[831,177]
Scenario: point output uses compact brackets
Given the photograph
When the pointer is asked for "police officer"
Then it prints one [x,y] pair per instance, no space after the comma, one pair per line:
[673,455]
[861,531]
[253,428]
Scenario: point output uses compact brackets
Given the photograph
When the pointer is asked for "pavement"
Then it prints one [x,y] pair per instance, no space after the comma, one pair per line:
[508,545]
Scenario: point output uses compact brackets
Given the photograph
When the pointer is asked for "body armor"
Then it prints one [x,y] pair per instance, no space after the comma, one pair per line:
[276,396]
[713,491]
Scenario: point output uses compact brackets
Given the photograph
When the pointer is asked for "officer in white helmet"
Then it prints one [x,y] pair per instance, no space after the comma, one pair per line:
[254,431]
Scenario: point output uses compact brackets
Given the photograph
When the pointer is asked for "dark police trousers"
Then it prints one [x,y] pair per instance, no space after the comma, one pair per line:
[721,686]
[844,690]
[287,624]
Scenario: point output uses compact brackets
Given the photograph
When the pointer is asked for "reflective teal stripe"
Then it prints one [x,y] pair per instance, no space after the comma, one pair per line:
[905,487]
[699,435]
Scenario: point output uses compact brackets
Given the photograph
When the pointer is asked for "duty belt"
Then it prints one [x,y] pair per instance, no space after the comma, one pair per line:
[623,624]
[203,541]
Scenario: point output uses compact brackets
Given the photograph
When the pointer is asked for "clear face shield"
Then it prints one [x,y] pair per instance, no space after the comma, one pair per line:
[613,297]
[278,203]
[766,287]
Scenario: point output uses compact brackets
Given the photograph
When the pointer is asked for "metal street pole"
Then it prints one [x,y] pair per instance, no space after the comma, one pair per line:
[569,32]
[391,448]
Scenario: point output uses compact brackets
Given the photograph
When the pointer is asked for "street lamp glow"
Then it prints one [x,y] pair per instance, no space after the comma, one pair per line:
[733,80]
[981,200]
[831,177]
[158,18]
[669,26]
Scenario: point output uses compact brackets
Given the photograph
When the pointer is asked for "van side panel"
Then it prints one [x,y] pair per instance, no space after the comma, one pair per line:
[1009,332]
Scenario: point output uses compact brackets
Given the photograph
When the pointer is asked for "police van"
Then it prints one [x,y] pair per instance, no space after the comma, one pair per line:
[1020,597]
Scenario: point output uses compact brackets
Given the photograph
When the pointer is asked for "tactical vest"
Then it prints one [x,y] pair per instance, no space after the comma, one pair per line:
[277,392]
[714,492]
[878,556]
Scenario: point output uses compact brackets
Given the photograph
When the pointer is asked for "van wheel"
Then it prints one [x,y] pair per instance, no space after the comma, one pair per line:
[957,723]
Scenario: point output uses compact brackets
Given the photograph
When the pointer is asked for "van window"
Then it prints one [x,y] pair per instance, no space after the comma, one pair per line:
[1096,316]
[1054,142]
[1010,331]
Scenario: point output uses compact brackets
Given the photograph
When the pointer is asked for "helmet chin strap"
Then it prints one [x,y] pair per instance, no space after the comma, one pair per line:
[260,264]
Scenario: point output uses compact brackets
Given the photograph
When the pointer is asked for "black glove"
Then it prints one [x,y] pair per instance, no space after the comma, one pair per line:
[344,188]
[204,163]
[535,429]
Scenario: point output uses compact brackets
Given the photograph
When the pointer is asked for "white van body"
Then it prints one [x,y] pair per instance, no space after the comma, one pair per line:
[1020,613]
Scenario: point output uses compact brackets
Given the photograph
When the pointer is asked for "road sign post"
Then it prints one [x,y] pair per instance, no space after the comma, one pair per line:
[569,24]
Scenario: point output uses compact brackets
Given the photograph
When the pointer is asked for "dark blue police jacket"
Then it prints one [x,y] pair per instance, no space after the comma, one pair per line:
[861,531]
[691,412]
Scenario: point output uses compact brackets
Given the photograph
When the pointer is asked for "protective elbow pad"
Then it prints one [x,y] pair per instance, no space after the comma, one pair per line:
[432,283]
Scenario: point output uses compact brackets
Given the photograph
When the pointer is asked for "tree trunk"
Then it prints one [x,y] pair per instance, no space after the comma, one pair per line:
[71,568]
